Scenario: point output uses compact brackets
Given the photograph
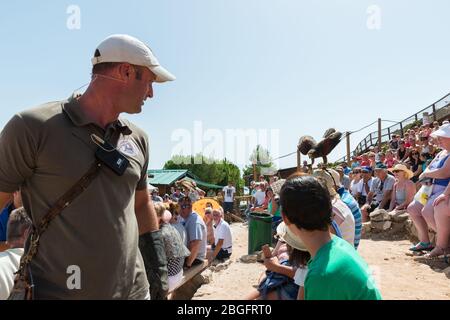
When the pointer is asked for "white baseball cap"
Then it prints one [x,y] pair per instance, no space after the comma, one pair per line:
[443,131]
[125,48]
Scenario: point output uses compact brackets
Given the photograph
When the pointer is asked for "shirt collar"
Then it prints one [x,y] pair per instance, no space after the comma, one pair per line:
[75,113]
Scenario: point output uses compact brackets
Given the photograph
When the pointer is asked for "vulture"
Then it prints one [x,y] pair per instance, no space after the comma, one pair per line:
[308,146]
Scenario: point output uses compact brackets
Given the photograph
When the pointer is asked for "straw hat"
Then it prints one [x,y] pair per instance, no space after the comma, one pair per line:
[291,239]
[331,178]
[402,167]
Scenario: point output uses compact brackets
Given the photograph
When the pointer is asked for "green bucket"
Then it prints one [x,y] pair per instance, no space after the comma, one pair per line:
[259,231]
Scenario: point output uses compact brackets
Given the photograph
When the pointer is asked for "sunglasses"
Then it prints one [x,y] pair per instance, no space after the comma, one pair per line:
[184,206]
[396,171]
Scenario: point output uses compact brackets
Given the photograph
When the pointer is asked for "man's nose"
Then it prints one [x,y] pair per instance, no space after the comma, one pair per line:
[150,91]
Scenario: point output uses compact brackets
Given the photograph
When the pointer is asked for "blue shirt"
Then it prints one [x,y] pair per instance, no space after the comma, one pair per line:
[4,217]
[351,203]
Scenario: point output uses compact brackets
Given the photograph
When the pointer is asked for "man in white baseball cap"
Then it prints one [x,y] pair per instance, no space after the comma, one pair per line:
[111,230]
[125,48]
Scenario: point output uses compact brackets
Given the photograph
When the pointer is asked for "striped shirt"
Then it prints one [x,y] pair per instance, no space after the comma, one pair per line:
[351,203]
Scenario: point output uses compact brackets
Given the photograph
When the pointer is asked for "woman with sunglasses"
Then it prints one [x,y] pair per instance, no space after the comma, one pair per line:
[416,165]
[404,189]
[423,216]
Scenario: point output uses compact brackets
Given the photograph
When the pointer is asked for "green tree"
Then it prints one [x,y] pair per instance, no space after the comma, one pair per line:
[209,170]
[263,161]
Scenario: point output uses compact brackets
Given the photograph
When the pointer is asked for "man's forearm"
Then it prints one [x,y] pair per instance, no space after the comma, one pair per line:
[146,218]
[194,247]
[217,249]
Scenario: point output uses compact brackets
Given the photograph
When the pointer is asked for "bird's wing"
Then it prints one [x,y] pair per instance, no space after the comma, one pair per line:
[327,145]
[329,132]
[305,144]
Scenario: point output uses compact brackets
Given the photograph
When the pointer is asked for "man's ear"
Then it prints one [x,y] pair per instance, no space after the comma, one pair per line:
[285,218]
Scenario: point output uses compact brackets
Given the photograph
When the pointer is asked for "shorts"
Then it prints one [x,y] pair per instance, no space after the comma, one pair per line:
[285,287]
[228,207]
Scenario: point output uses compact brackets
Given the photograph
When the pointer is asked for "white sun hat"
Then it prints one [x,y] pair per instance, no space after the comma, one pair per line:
[125,48]
[443,131]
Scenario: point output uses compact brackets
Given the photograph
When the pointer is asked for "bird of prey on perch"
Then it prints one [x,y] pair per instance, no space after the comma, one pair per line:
[308,146]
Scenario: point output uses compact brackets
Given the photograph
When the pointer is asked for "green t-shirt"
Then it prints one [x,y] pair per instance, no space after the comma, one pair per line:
[269,209]
[337,272]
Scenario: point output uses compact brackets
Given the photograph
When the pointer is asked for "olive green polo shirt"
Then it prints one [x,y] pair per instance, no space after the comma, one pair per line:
[46,150]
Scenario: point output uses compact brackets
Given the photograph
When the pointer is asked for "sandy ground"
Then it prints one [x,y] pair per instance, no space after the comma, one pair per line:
[398,276]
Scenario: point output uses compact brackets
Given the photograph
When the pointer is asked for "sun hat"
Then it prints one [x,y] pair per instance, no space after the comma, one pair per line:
[402,167]
[443,131]
[331,178]
[125,48]
[366,169]
[286,235]
[380,166]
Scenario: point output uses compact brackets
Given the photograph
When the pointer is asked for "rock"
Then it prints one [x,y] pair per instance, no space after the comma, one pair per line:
[379,215]
[398,217]
[411,229]
[207,276]
[398,227]
[250,258]
[366,228]
[381,225]
[447,271]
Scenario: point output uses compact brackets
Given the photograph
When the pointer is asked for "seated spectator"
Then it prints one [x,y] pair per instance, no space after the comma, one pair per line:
[177,221]
[382,158]
[346,168]
[390,161]
[342,215]
[177,195]
[380,193]
[407,142]
[19,226]
[365,161]
[364,186]
[442,218]
[425,146]
[344,179]
[286,269]
[176,251]
[404,189]
[435,126]
[155,195]
[415,164]
[393,143]
[355,162]
[351,203]
[260,195]
[354,184]
[335,271]
[208,219]
[421,210]
[372,160]
[402,152]
[223,241]
[195,233]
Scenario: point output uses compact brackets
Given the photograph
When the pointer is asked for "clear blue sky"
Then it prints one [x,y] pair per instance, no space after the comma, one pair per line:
[297,66]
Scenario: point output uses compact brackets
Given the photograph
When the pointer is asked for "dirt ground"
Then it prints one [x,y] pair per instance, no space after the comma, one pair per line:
[398,275]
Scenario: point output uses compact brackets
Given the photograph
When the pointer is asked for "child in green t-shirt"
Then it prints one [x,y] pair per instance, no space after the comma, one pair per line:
[335,271]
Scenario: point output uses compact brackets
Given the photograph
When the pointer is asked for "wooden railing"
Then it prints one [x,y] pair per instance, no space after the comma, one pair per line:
[440,110]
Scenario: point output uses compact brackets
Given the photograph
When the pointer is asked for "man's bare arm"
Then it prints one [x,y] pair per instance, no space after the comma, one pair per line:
[145,212]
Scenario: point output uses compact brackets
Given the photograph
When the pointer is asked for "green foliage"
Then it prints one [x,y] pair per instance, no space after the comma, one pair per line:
[209,170]
[262,159]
